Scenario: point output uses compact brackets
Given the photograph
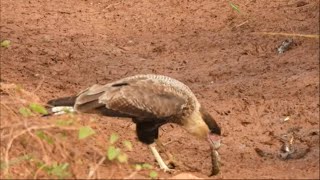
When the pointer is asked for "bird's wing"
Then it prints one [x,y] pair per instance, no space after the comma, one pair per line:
[143,98]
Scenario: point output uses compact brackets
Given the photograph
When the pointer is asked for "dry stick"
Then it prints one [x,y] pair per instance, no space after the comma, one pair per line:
[28,172]
[2,136]
[11,125]
[114,4]
[59,145]
[289,34]
[21,133]
[167,143]
[112,173]
[92,171]
[37,139]
[98,175]
[38,170]
[6,156]
[131,175]
[39,85]
[10,109]
[241,24]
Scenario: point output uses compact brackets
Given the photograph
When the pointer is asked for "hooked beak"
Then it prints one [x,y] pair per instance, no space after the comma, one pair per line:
[215,140]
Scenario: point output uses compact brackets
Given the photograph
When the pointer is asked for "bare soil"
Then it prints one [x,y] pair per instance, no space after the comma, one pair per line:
[60,47]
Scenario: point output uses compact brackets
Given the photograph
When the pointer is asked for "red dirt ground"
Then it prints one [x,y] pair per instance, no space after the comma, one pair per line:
[234,70]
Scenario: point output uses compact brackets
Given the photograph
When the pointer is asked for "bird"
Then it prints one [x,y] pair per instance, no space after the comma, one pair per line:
[150,100]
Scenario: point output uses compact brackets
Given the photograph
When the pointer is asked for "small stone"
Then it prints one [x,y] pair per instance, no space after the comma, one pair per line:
[301,3]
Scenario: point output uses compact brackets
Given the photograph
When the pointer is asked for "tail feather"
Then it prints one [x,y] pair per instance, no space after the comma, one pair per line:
[88,104]
[61,105]
[65,101]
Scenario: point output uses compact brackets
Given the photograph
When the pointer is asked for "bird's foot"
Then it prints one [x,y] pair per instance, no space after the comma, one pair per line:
[164,167]
[171,163]
[167,169]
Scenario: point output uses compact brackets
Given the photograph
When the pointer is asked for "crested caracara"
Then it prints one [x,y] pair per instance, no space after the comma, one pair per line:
[151,101]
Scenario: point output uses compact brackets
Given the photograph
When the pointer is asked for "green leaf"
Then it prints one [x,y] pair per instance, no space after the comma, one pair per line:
[62,135]
[113,152]
[127,144]
[122,158]
[153,174]
[146,166]
[138,167]
[25,112]
[59,170]
[85,132]
[235,7]
[113,138]
[5,43]
[38,108]
[3,165]
[61,122]
[44,137]
[15,161]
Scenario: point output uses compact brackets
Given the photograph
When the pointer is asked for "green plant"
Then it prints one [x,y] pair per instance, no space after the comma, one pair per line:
[63,122]
[235,7]
[113,138]
[5,43]
[85,132]
[153,174]
[15,161]
[127,144]
[145,166]
[44,137]
[38,108]
[115,153]
[56,169]
[25,112]
[33,107]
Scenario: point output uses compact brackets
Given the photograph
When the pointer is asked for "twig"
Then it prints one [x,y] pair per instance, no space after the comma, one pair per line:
[39,141]
[289,34]
[39,85]
[169,142]
[114,4]
[131,175]
[6,155]
[92,171]
[59,145]
[11,125]
[112,173]
[38,170]
[23,132]
[241,24]
[8,148]
[10,109]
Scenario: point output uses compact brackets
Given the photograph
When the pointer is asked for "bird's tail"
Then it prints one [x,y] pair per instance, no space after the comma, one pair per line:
[64,101]
[61,105]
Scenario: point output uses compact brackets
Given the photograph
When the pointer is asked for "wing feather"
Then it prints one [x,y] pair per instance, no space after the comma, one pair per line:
[141,96]
[144,99]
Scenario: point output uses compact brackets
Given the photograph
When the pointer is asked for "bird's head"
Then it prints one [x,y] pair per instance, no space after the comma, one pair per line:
[214,134]
[202,125]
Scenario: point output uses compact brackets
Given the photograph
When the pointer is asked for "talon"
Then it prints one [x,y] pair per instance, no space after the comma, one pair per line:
[172,164]
[168,170]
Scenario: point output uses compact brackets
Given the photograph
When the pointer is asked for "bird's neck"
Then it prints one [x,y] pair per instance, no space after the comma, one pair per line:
[195,125]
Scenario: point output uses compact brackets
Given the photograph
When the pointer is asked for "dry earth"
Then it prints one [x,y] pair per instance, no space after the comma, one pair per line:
[59,47]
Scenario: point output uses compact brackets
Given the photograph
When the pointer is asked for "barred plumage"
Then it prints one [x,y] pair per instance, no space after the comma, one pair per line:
[141,96]
[151,101]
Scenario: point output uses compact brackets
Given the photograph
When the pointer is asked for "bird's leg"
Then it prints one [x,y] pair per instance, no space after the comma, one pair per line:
[158,157]
[147,133]
[171,159]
